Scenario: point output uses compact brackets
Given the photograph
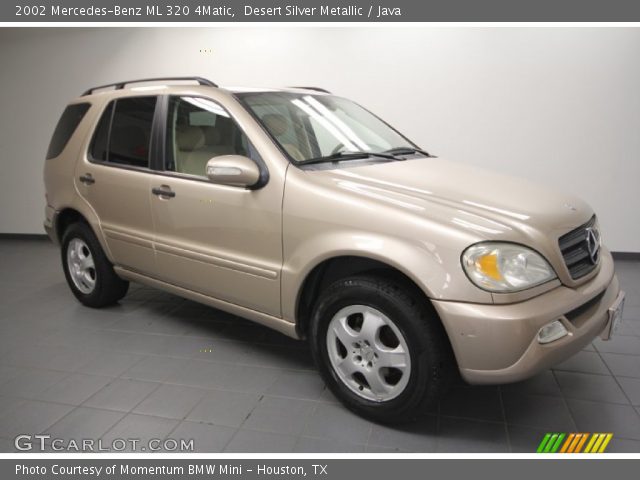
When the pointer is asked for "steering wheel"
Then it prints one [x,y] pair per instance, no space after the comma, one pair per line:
[338,147]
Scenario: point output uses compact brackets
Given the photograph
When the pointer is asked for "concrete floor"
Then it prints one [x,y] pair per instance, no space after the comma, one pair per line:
[158,366]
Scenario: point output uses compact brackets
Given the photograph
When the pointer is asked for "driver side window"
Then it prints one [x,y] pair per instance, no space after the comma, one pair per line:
[199,129]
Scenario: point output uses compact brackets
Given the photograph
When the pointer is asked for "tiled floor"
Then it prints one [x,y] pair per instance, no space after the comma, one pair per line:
[157,366]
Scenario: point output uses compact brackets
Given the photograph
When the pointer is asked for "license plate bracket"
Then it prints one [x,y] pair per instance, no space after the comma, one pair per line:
[614,320]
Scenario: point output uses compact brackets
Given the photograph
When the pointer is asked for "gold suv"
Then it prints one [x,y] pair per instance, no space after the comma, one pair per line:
[305,212]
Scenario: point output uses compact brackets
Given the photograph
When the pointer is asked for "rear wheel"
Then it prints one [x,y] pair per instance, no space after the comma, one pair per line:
[381,348]
[89,273]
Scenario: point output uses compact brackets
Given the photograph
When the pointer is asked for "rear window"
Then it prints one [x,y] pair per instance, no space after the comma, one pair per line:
[69,121]
[123,134]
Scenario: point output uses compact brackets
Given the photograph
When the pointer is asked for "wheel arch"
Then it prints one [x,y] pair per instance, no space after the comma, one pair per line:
[69,215]
[334,268]
[66,217]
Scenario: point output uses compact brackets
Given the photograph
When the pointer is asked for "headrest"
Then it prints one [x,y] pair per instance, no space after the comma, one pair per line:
[212,135]
[275,123]
[189,138]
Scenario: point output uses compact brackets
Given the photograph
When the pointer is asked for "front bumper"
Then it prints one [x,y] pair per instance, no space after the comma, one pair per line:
[498,343]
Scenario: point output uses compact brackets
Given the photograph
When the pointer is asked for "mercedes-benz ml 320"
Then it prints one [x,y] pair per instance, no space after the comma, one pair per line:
[305,212]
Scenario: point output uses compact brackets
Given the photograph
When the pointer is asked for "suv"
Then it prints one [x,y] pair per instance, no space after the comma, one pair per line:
[304,212]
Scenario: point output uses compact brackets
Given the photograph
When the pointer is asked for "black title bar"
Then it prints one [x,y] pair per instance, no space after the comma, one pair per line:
[102,11]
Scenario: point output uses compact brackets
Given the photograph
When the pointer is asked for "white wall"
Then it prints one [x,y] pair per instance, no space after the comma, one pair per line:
[557,105]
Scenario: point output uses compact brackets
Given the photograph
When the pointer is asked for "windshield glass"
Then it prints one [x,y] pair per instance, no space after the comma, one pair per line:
[314,127]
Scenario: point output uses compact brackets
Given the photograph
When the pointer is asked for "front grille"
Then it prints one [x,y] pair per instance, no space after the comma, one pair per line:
[575,250]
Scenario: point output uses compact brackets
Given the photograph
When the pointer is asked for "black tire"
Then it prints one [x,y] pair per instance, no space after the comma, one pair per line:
[432,362]
[109,288]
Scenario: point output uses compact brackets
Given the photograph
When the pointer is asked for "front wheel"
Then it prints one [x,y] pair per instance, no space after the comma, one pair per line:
[380,348]
[87,269]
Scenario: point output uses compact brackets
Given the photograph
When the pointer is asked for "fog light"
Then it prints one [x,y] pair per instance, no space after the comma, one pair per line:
[552,332]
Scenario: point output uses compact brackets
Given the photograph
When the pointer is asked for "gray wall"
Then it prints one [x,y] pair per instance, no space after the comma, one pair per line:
[557,105]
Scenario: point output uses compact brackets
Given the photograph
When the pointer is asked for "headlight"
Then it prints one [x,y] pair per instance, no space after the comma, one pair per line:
[505,267]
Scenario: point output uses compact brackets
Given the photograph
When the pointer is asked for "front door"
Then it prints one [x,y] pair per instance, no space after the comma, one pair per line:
[221,241]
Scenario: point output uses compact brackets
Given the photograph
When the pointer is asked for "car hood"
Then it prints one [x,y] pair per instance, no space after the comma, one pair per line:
[488,203]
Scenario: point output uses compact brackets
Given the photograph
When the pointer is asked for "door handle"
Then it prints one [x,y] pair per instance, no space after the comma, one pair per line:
[163,191]
[87,179]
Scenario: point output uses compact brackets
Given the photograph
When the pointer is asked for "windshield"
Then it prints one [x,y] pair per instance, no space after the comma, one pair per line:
[322,127]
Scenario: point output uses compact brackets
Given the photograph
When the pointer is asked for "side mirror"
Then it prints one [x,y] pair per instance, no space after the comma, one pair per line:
[233,170]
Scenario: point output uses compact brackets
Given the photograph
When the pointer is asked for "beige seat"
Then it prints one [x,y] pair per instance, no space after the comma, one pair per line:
[213,142]
[191,154]
[278,126]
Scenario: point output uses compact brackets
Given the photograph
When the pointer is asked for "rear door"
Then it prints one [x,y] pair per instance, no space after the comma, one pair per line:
[115,178]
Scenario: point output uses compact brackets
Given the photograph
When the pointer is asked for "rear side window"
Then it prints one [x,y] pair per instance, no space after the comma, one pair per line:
[100,144]
[123,134]
[69,121]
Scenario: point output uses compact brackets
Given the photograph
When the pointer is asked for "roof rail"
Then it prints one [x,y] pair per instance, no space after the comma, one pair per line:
[317,89]
[121,85]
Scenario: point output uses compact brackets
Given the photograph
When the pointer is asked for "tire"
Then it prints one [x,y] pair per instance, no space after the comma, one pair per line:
[93,282]
[399,327]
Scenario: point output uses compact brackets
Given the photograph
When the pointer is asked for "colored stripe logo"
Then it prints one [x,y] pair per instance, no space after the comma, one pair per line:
[574,443]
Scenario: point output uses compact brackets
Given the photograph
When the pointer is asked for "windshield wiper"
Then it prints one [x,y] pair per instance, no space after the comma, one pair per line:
[407,150]
[340,156]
